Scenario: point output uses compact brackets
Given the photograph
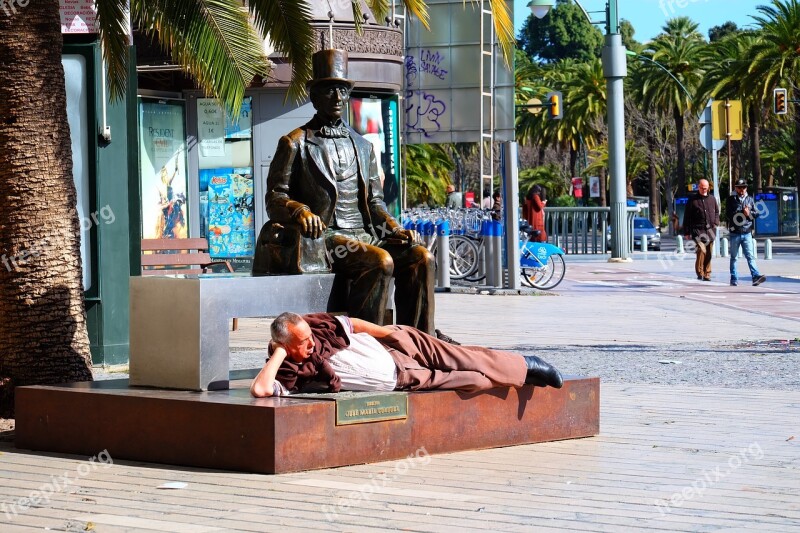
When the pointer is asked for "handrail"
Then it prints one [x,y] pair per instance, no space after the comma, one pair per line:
[583,230]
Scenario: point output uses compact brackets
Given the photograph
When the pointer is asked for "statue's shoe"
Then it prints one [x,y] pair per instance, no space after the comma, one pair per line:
[541,373]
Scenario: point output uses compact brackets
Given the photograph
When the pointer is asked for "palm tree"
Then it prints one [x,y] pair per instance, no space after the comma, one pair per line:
[728,76]
[775,61]
[585,106]
[680,54]
[43,336]
[428,168]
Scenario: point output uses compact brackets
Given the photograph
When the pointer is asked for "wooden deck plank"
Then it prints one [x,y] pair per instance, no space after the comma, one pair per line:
[655,441]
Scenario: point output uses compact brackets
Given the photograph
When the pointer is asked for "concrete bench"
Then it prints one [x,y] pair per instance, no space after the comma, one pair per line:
[179,335]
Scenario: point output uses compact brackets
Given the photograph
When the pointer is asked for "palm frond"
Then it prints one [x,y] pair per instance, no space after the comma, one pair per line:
[287,24]
[112,20]
[211,39]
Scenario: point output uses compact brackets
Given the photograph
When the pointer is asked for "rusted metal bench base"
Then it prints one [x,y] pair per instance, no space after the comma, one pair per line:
[230,430]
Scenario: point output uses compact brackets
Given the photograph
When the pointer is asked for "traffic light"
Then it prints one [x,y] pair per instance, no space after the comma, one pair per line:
[779,103]
[555,109]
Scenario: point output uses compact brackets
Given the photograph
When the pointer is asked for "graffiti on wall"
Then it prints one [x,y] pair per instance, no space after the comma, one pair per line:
[424,109]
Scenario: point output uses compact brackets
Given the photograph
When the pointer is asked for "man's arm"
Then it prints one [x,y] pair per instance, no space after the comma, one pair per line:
[263,384]
[280,206]
[362,326]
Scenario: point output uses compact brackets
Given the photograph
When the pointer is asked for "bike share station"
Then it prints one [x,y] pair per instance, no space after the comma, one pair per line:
[479,246]
[183,405]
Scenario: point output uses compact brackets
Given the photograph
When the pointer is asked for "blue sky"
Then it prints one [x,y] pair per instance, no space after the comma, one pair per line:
[648,16]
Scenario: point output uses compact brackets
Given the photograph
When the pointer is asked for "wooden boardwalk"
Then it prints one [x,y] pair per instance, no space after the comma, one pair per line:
[667,459]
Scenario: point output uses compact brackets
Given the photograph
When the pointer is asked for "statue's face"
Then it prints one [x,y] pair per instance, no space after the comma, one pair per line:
[330,99]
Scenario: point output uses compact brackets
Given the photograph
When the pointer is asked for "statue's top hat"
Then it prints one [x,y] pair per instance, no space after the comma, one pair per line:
[329,66]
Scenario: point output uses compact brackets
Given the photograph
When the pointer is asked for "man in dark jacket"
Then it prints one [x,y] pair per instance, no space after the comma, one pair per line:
[700,223]
[741,213]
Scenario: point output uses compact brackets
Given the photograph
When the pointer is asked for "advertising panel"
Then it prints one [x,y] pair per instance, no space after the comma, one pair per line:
[376,120]
[231,228]
[162,168]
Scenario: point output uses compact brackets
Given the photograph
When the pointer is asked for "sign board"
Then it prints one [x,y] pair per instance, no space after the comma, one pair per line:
[707,141]
[720,114]
[577,187]
[594,186]
[77,16]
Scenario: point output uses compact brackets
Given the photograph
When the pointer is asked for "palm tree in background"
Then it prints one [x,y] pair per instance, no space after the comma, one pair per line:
[428,168]
[43,336]
[775,60]
[680,54]
[728,77]
[585,105]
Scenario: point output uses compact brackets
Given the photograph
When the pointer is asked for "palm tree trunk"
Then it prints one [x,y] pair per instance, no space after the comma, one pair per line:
[796,94]
[603,196]
[755,140]
[43,336]
[655,198]
[573,160]
[681,149]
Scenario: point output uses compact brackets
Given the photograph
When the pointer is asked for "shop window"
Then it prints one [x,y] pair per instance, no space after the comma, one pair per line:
[225,162]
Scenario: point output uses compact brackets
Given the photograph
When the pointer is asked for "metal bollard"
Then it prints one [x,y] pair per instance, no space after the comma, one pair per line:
[443,255]
[486,253]
[643,244]
[497,236]
[679,243]
[768,249]
[429,233]
[723,247]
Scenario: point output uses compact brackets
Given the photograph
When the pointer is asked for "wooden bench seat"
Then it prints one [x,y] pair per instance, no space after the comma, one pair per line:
[162,257]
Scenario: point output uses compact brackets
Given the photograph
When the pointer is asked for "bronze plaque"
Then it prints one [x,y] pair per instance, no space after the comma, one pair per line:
[362,407]
[371,408]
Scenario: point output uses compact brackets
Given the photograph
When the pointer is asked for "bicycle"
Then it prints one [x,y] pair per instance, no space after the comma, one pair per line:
[542,264]
[464,253]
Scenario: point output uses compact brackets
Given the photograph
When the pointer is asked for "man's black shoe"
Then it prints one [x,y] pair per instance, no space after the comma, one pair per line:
[759,280]
[706,279]
[442,337]
[541,373]
[699,278]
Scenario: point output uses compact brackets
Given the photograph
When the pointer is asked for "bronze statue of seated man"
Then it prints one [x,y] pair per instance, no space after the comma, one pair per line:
[324,189]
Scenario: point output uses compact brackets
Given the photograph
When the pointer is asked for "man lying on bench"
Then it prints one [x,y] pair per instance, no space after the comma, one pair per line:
[340,353]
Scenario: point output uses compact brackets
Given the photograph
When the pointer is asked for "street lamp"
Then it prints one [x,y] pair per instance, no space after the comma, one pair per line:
[615,69]
[540,8]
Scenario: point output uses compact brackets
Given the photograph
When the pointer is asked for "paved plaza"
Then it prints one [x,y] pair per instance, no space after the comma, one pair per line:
[700,427]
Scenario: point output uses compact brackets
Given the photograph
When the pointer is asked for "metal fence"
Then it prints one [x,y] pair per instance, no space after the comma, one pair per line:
[583,230]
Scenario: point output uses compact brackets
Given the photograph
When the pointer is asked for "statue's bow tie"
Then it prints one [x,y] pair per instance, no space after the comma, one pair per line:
[334,131]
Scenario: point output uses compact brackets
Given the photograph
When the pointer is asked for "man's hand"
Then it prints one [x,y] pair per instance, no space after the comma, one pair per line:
[263,384]
[746,211]
[310,224]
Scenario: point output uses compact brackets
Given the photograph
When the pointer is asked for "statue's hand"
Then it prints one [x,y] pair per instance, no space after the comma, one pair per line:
[409,235]
[310,224]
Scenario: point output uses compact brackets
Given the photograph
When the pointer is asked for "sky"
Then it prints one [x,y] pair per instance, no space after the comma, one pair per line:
[648,16]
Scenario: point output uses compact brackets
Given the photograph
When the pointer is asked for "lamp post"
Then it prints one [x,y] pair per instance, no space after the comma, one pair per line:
[615,69]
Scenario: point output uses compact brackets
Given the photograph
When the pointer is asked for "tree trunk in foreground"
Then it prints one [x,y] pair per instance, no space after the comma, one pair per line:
[43,336]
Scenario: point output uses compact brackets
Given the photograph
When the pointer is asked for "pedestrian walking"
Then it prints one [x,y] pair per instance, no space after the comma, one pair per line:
[741,213]
[700,223]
